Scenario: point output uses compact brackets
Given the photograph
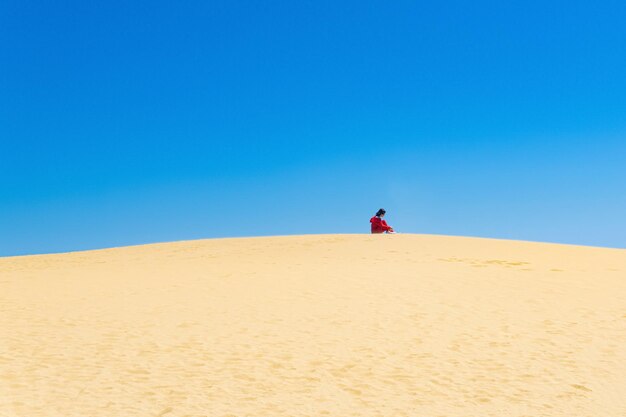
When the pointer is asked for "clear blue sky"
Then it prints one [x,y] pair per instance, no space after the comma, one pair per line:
[125,122]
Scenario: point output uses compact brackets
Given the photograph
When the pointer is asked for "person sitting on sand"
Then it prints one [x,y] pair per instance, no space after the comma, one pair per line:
[379,225]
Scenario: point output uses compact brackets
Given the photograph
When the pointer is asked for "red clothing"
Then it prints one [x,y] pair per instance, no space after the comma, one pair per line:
[379,225]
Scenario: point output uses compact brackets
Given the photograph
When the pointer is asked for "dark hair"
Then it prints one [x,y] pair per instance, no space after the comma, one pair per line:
[381,211]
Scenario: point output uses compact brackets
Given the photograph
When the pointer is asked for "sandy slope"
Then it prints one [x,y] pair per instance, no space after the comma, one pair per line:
[328,325]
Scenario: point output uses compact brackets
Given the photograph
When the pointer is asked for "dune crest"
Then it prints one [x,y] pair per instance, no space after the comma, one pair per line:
[319,325]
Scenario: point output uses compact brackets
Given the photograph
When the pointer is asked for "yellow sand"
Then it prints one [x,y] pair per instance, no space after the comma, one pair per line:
[326,325]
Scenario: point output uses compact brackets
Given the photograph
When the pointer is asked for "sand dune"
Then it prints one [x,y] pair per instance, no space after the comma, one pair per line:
[325,325]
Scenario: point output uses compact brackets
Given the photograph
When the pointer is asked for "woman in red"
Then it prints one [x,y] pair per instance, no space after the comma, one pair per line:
[379,225]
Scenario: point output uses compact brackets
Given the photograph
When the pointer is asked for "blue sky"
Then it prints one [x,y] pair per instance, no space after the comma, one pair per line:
[134,122]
